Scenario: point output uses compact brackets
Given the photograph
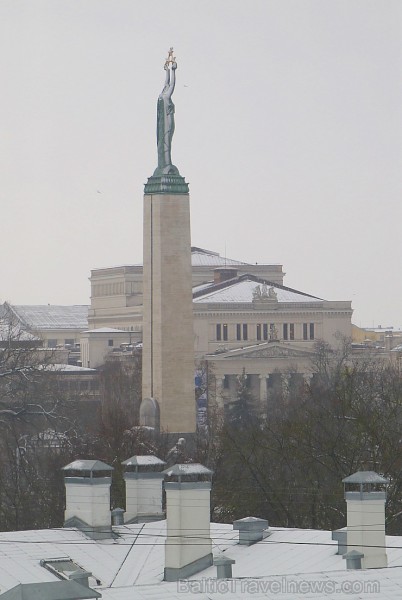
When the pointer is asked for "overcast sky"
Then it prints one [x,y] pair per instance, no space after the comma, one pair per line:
[288,129]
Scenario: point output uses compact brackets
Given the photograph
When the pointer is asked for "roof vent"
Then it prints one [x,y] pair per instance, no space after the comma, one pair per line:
[251,530]
[340,536]
[354,559]
[118,516]
[223,566]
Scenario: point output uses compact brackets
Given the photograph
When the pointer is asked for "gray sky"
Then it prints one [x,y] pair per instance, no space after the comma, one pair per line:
[288,128]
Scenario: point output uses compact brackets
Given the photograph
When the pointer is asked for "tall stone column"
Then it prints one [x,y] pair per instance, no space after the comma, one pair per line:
[219,391]
[168,332]
[263,389]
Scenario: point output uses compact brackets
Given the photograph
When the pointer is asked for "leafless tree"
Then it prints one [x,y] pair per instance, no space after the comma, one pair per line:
[289,468]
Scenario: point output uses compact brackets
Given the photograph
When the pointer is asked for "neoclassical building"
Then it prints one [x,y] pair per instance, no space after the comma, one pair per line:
[116,292]
[245,318]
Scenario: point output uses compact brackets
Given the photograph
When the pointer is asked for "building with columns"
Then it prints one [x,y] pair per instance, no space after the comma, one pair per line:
[244,318]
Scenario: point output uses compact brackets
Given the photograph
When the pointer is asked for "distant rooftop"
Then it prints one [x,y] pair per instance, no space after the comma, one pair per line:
[50,316]
[241,289]
[200,257]
[206,258]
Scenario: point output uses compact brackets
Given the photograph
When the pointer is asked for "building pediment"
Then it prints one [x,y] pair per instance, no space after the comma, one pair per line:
[266,350]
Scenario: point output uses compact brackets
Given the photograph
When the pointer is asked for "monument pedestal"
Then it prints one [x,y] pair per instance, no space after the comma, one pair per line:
[168,333]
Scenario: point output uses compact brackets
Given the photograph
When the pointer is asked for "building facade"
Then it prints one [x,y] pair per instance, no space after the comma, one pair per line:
[244,319]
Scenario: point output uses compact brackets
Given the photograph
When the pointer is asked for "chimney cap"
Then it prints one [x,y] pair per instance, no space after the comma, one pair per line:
[361,477]
[87,465]
[143,461]
[188,471]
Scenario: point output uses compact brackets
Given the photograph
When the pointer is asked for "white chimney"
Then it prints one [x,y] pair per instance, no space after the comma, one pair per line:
[88,497]
[144,481]
[188,545]
[366,518]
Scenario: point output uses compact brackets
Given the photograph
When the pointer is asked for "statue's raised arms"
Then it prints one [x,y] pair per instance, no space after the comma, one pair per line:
[165,119]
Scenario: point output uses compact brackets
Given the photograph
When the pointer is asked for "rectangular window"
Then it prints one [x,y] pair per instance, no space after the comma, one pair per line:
[241,331]
[218,332]
[285,331]
[110,343]
[311,331]
[51,343]
[305,331]
[291,331]
[259,331]
[265,332]
[225,332]
[226,382]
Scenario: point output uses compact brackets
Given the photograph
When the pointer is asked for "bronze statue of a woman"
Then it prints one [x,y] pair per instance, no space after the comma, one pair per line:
[165,120]
[166,178]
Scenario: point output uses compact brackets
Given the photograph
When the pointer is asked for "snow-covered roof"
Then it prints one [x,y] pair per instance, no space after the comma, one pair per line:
[105,330]
[202,286]
[15,333]
[207,258]
[240,290]
[63,368]
[131,564]
[48,316]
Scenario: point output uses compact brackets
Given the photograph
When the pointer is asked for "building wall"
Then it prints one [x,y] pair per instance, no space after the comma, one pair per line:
[218,328]
[54,338]
[96,346]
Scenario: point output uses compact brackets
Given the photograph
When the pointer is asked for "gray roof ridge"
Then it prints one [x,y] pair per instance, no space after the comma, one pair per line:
[248,276]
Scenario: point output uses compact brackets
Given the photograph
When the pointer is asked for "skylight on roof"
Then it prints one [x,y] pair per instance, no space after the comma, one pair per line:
[63,568]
